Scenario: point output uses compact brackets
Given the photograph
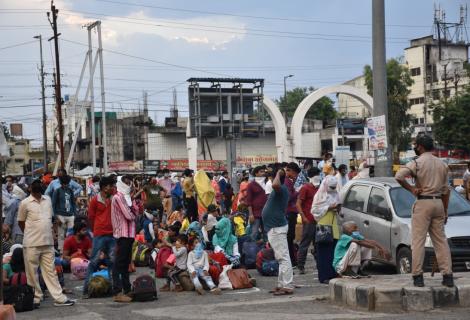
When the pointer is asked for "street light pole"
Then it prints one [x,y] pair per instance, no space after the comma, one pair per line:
[43,96]
[383,167]
[285,93]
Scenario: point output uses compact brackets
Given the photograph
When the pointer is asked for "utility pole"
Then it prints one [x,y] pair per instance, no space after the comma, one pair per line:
[43,97]
[103,103]
[383,167]
[58,94]
[92,99]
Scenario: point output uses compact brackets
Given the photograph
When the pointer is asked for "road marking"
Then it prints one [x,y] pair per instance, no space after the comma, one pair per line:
[252,290]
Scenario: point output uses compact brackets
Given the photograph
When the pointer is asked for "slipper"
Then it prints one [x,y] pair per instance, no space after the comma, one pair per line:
[284,292]
[275,290]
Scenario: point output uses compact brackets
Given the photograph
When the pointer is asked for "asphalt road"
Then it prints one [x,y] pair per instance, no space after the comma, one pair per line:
[308,303]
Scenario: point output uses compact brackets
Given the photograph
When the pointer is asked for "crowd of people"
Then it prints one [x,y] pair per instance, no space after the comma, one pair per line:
[101,228]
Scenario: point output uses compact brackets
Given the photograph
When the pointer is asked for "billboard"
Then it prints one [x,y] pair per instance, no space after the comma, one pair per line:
[16,129]
[377,133]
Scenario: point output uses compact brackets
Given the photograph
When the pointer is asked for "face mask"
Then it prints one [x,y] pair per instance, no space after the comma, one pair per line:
[357,235]
[260,179]
[331,188]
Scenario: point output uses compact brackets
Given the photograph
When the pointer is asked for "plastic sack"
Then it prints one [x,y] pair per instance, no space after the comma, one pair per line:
[224,281]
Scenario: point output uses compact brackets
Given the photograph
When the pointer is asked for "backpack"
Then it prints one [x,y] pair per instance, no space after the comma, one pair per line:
[99,287]
[250,250]
[270,268]
[140,254]
[162,256]
[19,294]
[144,288]
[265,254]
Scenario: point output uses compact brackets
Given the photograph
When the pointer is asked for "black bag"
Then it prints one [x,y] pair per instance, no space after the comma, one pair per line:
[144,288]
[324,233]
[21,296]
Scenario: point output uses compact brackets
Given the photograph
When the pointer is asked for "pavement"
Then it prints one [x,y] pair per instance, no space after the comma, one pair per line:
[309,302]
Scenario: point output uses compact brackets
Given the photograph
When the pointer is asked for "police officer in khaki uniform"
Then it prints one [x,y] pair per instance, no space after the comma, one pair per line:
[430,209]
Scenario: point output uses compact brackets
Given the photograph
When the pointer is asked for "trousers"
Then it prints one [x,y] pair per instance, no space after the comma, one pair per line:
[121,280]
[277,238]
[200,275]
[43,257]
[353,258]
[292,222]
[429,217]
[308,237]
[66,223]
[105,244]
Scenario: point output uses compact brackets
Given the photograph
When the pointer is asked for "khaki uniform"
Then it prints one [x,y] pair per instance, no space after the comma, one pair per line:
[430,175]
[38,246]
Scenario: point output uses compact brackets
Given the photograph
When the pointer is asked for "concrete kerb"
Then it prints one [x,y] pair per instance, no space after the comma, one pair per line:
[396,292]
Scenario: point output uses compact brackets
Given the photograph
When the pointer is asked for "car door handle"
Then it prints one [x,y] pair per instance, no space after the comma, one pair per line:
[366,222]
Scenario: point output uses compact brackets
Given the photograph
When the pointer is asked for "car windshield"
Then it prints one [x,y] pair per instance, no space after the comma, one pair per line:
[403,201]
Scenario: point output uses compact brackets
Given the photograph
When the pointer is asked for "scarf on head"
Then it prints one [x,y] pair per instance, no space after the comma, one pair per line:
[125,190]
[324,198]
[195,228]
[223,236]
[204,189]
[198,250]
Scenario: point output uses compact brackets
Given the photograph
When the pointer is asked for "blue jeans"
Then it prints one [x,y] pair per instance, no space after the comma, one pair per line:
[255,229]
[200,276]
[100,243]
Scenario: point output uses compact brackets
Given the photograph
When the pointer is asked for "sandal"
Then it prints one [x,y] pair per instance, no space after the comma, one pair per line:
[275,290]
[284,292]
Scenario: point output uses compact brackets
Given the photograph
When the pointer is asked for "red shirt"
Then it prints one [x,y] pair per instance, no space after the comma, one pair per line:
[72,246]
[99,216]
[256,198]
[306,194]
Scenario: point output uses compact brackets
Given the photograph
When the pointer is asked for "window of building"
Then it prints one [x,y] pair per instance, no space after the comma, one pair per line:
[414,101]
[415,72]
[421,120]
[436,94]
[415,121]
[446,93]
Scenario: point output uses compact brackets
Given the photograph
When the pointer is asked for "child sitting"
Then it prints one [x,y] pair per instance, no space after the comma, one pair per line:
[181,253]
[176,215]
[198,267]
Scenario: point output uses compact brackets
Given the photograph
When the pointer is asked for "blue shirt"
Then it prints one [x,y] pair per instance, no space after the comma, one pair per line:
[274,211]
[55,184]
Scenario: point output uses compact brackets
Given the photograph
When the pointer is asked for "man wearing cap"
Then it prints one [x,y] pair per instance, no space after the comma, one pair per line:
[430,209]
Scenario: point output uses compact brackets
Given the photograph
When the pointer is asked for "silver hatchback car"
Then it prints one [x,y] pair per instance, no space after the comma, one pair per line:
[381,209]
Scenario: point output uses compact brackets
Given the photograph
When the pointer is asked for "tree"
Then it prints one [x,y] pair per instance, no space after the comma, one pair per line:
[398,81]
[6,131]
[323,109]
[452,121]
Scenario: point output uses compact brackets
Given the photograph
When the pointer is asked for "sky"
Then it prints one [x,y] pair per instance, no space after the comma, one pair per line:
[157,45]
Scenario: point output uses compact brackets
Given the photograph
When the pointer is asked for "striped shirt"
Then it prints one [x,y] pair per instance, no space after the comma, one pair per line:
[122,217]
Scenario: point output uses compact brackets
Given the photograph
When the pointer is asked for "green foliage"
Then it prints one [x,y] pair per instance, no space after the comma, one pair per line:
[398,81]
[6,131]
[323,109]
[452,121]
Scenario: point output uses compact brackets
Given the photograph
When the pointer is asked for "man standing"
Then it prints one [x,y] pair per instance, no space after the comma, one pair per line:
[342,177]
[63,204]
[99,217]
[429,210]
[55,184]
[256,199]
[153,201]
[292,172]
[190,196]
[35,220]
[123,214]
[11,219]
[304,206]
[223,181]
[275,224]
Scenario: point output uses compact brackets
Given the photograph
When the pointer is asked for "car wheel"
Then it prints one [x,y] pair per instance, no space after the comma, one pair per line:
[404,260]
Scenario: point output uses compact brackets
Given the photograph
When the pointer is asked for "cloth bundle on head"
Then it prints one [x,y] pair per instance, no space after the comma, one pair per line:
[223,236]
[125,190]
[325,197]
[328,168]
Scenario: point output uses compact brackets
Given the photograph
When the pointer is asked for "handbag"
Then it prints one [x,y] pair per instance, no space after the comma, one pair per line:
[324,233]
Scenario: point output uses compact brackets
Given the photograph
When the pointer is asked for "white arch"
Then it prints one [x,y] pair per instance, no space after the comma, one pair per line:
[280,129]
[304,106]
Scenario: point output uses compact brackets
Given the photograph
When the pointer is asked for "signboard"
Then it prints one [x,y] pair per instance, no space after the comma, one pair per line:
[127,166]
[256,160]
[350,127]
[171,122]
[182,164]
[151,165]
[16,129]
[377,133]
[342,155]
